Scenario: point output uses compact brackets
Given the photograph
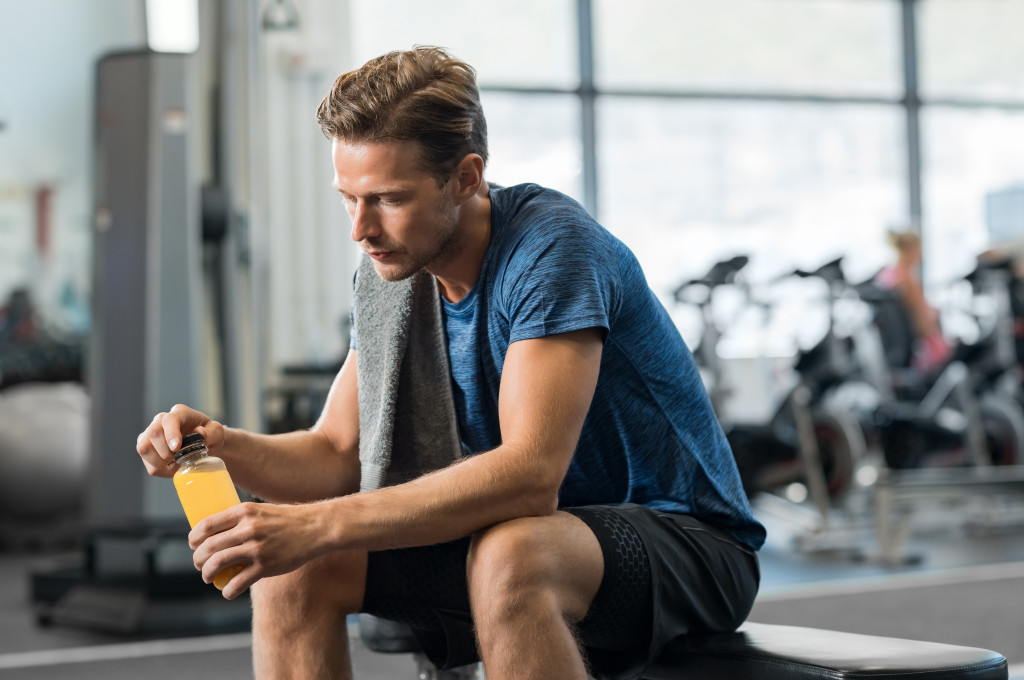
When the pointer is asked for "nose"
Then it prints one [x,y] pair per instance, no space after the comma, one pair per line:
[364,224]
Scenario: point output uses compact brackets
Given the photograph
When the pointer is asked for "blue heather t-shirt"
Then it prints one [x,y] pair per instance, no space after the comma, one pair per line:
[651,436]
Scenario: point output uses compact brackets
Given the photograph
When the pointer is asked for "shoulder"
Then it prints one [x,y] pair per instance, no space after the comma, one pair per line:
[530,220]
[549,253]
[534,204]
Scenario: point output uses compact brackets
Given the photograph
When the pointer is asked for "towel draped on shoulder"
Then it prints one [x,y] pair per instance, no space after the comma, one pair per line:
[407,423]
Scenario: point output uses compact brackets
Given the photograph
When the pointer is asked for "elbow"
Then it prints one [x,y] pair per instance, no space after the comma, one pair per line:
[542,496]
[541,505]
[528,479]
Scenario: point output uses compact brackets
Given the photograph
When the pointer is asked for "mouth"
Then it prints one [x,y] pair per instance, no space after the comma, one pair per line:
[380,255]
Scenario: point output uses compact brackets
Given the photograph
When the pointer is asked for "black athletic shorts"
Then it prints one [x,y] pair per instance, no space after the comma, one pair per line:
[665,575]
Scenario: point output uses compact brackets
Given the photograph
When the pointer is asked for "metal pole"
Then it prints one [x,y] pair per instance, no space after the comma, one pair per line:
[912,106]
[807,448]
[588,96]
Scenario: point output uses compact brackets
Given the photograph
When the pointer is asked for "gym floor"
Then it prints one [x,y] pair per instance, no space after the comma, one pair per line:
[961,584]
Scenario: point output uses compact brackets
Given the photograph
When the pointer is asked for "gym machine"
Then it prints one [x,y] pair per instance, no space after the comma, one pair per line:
[149,331]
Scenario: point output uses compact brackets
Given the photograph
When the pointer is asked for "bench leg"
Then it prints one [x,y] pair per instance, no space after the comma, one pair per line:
[893,532]
[427,671]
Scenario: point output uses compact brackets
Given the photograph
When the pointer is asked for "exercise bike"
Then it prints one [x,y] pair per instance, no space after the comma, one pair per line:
[958,415]
[803,441]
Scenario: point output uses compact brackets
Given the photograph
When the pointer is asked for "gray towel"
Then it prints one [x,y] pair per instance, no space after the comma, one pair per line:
[407,424]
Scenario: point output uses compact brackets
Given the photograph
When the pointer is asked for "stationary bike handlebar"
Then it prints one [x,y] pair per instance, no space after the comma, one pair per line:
[830,271]
[721,273]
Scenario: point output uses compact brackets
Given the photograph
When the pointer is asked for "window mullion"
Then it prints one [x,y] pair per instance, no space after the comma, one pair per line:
[912,106]
[587,93]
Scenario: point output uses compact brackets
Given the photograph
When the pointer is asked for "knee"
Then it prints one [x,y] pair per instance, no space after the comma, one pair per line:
[510,569]
[294,591]
[322,584]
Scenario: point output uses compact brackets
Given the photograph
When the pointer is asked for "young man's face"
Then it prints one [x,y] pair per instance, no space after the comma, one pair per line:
[400,217]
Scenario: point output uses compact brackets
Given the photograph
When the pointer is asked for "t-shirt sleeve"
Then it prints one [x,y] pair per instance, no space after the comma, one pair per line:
[561,278]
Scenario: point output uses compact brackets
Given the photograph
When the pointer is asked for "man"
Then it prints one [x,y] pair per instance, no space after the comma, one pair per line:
[601,512]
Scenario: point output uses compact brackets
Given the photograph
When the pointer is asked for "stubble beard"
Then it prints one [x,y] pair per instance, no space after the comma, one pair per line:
[447,248]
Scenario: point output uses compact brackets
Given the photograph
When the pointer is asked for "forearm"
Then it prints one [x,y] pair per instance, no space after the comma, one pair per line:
[295,467]
[451,503]
[546,389]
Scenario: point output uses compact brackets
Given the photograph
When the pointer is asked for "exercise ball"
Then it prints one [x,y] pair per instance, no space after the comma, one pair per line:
[44,448]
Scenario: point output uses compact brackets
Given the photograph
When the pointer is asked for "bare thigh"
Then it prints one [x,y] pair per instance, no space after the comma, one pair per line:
[426,588]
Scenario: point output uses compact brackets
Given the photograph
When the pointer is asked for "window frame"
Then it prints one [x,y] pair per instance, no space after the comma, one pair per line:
[911,101]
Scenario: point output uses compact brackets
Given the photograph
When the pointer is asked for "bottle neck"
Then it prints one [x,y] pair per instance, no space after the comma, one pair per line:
[192,457]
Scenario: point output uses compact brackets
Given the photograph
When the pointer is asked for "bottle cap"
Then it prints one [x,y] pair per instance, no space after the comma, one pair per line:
[190,444]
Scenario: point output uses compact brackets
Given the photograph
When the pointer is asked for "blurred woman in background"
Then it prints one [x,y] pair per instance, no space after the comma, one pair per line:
[931,350]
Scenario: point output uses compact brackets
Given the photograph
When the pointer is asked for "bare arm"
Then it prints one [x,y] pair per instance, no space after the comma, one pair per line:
[546,388]
[306,465]
[924,317]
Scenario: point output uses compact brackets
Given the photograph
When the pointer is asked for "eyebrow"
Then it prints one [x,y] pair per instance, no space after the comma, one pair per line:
[396,189]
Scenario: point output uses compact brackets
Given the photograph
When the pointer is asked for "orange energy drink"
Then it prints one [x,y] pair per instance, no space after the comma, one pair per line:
[204,488]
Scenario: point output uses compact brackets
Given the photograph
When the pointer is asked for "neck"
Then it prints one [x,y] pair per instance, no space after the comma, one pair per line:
[457,274]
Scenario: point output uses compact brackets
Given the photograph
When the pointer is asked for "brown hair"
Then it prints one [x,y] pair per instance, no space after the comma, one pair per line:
[903,240]
[422,95]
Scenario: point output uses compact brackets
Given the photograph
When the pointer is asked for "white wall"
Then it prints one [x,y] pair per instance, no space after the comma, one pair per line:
[48,49]
[310,254]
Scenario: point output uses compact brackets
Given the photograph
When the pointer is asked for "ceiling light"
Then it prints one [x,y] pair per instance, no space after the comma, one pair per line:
[172,25]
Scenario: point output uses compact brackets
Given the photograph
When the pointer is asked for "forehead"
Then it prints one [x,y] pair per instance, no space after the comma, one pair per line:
[364,165]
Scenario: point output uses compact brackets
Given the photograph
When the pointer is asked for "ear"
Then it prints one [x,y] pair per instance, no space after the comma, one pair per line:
[467,177]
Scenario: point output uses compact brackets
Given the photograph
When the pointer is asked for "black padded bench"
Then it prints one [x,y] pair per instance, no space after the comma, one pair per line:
[769,652]
[760,651]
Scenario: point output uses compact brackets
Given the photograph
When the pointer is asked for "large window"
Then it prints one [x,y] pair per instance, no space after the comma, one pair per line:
[788,184]
[768,129]
[972,126]
[517,43]
[970,154]
[972,50]
[771,46]
[790,130]
[535,139]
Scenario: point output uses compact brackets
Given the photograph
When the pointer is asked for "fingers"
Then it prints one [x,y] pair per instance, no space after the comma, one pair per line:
[152,446]
[239,583]
[228,558]
[218,541]
[213,433]
[158,442]
[215,524]
[221,543]
[231,559]
[182,420]
[266,539]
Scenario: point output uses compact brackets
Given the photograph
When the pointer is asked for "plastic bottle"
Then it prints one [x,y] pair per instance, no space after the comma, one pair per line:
[204,488]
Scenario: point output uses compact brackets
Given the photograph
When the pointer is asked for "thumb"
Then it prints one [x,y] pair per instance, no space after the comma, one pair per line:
[212,432]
